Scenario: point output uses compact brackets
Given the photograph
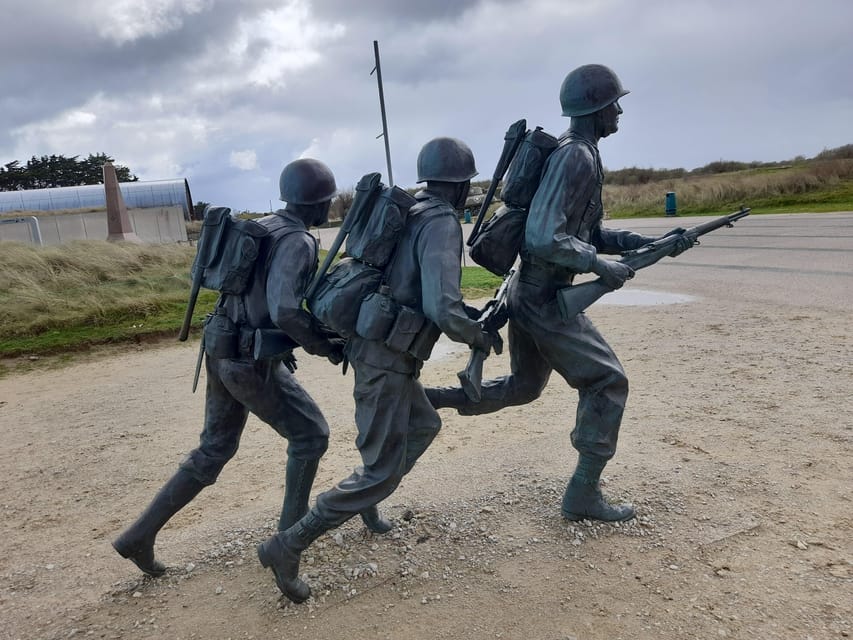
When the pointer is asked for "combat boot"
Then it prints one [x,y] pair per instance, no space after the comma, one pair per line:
[583,498]
[375,521]
[136,543]
[299,478]
[282,553]
[583,501]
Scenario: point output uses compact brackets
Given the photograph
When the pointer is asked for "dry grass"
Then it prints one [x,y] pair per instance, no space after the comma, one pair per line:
[86,282]
[710,192]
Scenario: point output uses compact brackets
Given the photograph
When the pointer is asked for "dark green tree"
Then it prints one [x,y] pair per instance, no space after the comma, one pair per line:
[58,171]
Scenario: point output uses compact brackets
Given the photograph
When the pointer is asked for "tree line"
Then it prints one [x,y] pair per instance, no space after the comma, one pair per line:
[58,171]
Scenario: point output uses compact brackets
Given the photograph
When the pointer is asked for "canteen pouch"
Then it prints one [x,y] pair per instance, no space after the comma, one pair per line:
[377,315]
[221,337]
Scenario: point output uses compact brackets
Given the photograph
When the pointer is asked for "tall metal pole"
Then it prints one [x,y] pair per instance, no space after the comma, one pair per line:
[384,134]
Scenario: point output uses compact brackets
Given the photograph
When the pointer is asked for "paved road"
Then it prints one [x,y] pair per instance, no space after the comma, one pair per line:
[794,259]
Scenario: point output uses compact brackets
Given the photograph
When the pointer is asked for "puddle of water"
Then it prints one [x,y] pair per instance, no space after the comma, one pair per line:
[643,298]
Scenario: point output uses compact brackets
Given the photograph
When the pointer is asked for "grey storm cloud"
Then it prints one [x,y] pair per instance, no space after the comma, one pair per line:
[225,93]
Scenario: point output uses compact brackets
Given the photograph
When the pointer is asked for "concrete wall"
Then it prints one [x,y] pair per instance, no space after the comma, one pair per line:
[158,225]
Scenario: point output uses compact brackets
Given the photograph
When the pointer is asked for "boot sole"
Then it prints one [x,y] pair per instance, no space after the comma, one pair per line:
[577,517]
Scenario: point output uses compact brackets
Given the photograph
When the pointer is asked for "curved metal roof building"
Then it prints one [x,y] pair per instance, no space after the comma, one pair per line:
[154,193]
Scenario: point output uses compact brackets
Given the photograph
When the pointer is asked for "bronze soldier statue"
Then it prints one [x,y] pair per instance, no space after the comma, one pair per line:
[238,384]
[564,236]
[395,421]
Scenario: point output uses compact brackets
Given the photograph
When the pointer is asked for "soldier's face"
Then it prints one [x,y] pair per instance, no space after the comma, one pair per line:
[608,119]
[464,188]
[322,216]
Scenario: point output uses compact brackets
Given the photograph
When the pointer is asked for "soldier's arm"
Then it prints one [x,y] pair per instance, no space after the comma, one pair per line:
[615,241]
[439,250]
[291,268]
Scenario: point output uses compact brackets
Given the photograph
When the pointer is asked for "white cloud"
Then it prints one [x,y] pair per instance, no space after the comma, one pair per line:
[292,42]
[244,160]
[124,21]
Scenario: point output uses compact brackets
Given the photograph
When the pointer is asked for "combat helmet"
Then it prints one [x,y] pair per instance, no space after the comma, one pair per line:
[306,181]
[446,160]
[588,89]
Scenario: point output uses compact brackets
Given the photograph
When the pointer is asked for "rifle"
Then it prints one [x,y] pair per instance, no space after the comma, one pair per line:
[572,300]
[364,190]
[512,139]
[492,319]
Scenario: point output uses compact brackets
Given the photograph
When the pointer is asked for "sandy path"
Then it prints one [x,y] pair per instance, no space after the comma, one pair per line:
[737,452]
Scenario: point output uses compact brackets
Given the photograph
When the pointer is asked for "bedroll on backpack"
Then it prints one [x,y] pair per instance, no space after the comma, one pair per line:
[379,215]
[498,243]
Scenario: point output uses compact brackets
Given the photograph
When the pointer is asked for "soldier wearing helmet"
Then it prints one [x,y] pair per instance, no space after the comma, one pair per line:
[237,384]
[564,236]
[395,421]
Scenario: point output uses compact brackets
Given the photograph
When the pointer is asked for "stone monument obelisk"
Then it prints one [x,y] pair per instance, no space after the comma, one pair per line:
[119,228]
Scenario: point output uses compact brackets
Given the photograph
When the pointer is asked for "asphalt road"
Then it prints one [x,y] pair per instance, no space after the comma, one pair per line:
[792,259]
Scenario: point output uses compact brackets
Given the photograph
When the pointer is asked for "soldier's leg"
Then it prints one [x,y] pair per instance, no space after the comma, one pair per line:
[382,415]
[278,399]
[424,425]
[223,423]
[579,353]
[529,373]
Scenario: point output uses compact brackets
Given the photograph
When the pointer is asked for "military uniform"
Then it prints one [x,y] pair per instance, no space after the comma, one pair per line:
[238,386]
[563,236]
[396,423]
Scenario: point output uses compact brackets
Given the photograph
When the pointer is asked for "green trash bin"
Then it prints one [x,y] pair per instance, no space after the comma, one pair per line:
[671,207]
[467,215]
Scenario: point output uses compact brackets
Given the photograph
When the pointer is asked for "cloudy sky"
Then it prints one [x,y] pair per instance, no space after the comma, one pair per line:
[226,92]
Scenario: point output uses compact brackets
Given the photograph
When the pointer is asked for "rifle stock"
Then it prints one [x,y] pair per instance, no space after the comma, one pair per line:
[492,319]
[512,139]
[572,300]
[471,378]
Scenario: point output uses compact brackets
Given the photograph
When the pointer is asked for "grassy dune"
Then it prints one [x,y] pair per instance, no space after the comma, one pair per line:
[82,293]
[817,185]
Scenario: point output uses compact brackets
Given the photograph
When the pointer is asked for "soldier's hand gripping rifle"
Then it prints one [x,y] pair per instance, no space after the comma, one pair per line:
[572,300]
[493,317]
[512,139]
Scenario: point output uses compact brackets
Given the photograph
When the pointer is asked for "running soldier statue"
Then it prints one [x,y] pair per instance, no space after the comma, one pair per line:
[238,384]
[395,421]
[563,237]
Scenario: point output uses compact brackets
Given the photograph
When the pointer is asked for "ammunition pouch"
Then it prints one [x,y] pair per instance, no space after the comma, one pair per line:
[221,337]
[400,328]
